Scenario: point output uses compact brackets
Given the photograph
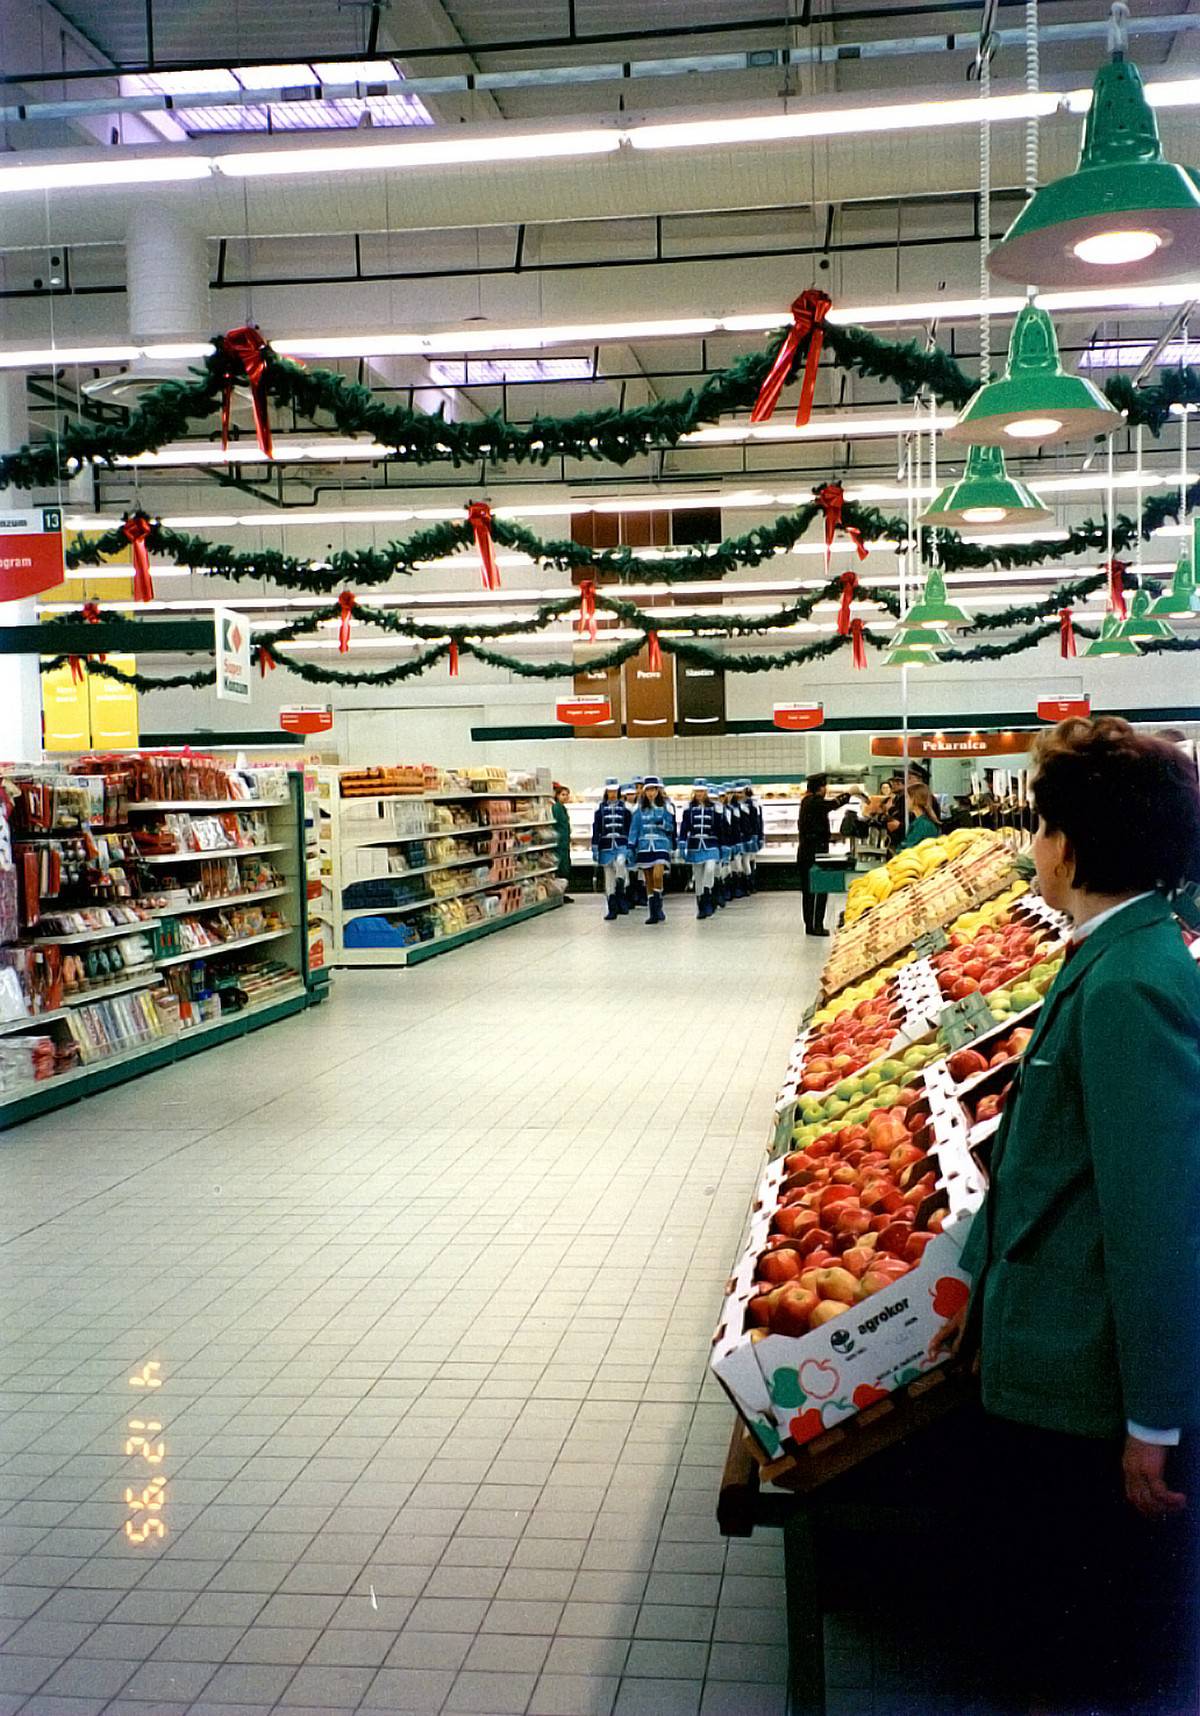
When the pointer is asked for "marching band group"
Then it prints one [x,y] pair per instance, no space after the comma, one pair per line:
[635,837]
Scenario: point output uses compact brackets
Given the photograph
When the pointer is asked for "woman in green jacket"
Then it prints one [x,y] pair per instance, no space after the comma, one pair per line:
[1085,1309]
[562,837]
[924,822]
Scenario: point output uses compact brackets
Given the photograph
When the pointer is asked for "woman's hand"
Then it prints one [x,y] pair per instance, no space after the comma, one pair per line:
[1143,1464]
[949,1337]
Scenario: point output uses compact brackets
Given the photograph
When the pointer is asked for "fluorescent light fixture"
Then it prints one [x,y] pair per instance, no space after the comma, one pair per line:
[1131,354]
[448,151]
[842,122]
[849,426]
[103,172]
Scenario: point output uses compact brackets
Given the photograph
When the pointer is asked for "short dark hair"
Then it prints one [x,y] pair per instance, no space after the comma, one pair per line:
[816,782]
[1128,805]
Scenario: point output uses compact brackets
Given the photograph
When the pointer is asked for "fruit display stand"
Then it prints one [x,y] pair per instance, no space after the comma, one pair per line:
[849,1264]
[417,860]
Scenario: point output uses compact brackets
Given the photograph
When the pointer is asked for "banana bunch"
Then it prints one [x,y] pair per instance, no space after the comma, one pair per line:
[907,867]
[970,923]
[850,997]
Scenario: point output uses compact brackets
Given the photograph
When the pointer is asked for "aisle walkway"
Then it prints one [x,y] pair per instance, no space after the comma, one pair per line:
[430,1277]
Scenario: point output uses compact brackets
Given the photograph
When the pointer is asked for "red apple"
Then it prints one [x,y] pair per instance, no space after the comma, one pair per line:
[837,1284]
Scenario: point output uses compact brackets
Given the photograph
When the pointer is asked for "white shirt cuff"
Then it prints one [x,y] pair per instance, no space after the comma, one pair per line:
[1159,1438]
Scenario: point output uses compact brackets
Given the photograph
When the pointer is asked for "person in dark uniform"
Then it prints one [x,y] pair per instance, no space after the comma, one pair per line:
[1085,1258]
[816,807]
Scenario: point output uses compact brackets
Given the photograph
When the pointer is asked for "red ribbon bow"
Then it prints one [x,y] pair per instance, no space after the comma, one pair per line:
[76,665]
[849,587]
[1116,570]
[479,513]
[1066,634]
[453,659]
[831,501]
[858,647]
[346,608]
[135,530]
[653,653]
[248,347]
[587,609]
[808,318]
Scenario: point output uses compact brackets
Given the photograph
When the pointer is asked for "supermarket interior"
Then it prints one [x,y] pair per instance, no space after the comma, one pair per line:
[599,858]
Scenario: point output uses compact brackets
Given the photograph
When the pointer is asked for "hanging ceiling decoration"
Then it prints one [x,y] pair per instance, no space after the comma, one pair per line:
[1110,641]
[1181,597]
[1035,403]
[1125,216]
[986,494]
[935,607]
[1142,621]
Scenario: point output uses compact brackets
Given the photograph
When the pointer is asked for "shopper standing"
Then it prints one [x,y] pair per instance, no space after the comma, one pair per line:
[815,810]
[610,847]
[924,822]
[652,841]
[1085,1310]
[699,841]
[562,837]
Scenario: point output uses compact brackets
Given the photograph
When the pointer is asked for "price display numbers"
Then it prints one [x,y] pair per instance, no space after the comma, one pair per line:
[146,1494]
[964,1020]
[933,941]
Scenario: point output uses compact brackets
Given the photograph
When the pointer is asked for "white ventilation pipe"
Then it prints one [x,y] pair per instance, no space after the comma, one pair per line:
[166,267]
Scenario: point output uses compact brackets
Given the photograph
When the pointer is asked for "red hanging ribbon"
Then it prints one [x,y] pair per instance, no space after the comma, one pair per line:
[453,659]
[849,587]
[808,317]
[135,530]
[858,647]
[266,662]
[91,615]
[76,665]
[587,609]
[479,514]
[831,501]
[653,653]
[346,608]
[1066,634]
[1116,570]
[248,347]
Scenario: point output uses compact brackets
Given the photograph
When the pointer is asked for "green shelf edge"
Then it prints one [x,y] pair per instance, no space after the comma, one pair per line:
[430,949]
[44,1101]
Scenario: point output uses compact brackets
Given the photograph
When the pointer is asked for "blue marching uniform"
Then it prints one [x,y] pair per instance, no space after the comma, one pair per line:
[726,835]
[700,843]
[652,842]
[610,848]
[753,810]
[636,887]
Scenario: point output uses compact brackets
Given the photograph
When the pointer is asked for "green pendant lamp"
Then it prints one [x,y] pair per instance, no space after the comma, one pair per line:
[1142,624]
[985,494]
[909,656]
[1125,217]
[934,608]
[909,636]
[1110,641]
[1180,598]
[1035,403]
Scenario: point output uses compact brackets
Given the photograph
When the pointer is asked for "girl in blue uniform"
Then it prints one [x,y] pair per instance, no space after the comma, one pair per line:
[700,843]
[727,836]
[636,886]
[753,816]
[652,841]
[610,847]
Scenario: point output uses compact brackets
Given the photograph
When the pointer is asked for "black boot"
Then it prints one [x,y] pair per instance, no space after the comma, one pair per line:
[657,915]
[612,914]
[622,899]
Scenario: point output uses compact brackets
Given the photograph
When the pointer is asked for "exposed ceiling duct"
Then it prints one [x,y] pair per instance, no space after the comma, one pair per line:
[167,295]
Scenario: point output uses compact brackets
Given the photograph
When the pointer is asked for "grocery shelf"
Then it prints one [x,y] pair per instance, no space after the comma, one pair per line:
[222,947]
[31,1021]
[439,834]
[216,852]
[111,932]
[143,980]
[436,797]
[423,950]
[433,899]
[453,863]
[208,805]
[221,900]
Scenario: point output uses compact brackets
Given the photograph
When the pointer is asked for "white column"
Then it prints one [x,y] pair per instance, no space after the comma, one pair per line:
[20,686]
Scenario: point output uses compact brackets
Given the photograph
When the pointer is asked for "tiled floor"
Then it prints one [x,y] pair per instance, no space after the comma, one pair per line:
[429,1278]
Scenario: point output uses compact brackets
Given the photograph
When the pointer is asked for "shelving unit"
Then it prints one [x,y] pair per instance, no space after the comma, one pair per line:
[374,823]
[159,1028]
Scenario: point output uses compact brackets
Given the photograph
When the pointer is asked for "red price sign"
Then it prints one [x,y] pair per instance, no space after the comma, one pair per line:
[31,552]
[1063,708]
[587,711]
[799,717]
[305,718]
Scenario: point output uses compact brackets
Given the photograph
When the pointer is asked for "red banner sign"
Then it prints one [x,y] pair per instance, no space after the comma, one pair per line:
[584,711]
[305,718]
[952,745]
[1062,708]
[31,552]
[799,717]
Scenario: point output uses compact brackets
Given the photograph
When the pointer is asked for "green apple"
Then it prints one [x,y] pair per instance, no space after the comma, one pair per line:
[892,1069]
[848,1089]
[1025,995]
[834,1110]
[872,1080]
[887,1096]
[914,1057]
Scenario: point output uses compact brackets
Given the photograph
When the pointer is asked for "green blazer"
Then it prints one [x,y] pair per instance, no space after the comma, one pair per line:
[562,838]
[920,828]
[1086,1253]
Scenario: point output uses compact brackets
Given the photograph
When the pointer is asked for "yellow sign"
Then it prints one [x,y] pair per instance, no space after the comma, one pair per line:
[66,716]
[114,709]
